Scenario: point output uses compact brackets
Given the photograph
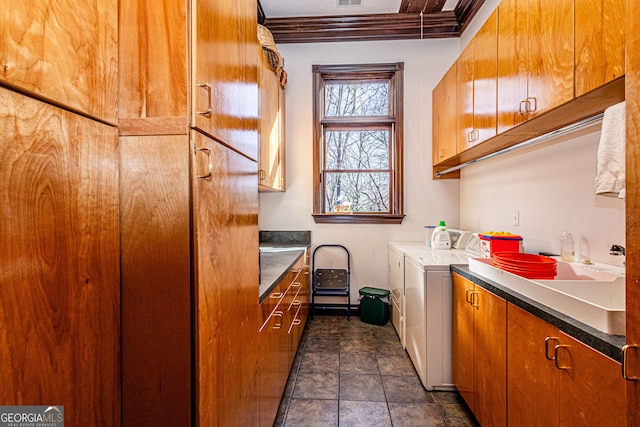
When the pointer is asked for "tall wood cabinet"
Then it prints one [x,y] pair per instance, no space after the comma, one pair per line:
[190,208]
[632,77]
[63,53]
[60,293]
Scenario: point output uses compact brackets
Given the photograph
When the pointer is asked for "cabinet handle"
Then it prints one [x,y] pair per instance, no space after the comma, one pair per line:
[476,134]
[521,110]
[281,316]
[467,298]
[210,165]
[470,136]
[277,295]
[296,322]
[296,284]
[556,350]
[546,347]
[206,87]
[262,174]
[296,303]
[529,102]
[441,153]
[475,298]
[296,270]
[625,351]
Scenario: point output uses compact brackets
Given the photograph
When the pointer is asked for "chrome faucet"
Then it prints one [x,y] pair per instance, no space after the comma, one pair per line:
[617,250]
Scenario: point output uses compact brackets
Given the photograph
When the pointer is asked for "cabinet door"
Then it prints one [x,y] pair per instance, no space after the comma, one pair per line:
[485,70]
[464,88]
[512,62]
[551,59]
[155,279]
[271,174]
[64,52]
[462,340]
[532,385]
[273,367]
[490,358]
[592,391]
[225,91]
[225,203]
[444,117]
[600,40]
[60,240]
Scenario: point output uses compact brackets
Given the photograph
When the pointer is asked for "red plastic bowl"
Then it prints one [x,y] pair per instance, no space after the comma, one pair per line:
[530,266]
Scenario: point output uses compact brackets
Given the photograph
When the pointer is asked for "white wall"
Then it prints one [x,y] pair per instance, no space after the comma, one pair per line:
[426,201]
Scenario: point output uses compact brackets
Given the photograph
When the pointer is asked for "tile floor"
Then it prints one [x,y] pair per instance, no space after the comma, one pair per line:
[354,374]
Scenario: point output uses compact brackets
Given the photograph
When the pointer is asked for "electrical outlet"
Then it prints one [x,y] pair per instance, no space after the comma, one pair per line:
[516,218]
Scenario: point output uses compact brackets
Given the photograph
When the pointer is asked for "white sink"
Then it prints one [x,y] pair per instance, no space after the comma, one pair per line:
[591,295]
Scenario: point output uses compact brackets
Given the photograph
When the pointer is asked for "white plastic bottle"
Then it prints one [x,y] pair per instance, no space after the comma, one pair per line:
[567,247]
[440,238]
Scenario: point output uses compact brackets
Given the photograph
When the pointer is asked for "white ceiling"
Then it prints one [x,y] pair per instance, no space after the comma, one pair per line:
[297,8]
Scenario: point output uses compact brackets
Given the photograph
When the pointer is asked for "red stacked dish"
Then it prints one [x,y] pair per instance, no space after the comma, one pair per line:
[530,266]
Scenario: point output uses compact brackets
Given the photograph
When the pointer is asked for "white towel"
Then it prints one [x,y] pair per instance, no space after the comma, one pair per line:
[610,175]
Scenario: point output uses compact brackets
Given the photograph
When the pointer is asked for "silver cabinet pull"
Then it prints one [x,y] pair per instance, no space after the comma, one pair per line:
[281,316]
[547,340]
[625,352]
[206,87]
[556,349]
[276,295]
[522,110]
[532,100]
[210,165]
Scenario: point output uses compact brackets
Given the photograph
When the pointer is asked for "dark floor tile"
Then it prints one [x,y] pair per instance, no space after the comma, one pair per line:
[441,397]
[396,365]
[320,362]
[316,386]
[323,345]
[312,413]
[359,414]
[458,415]
[359,363]
[405,389]
[357,345]
[416,415]
[388,347]
[361,387]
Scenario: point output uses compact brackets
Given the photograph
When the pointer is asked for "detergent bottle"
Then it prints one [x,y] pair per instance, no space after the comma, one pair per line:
[440,238]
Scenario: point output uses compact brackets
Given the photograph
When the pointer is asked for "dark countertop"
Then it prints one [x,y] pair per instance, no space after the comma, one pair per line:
[610,345]
[275,260]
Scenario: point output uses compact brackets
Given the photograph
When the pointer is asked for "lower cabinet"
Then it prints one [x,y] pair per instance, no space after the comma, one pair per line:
[285,312]
[512,368]
[557,380]
[479,350]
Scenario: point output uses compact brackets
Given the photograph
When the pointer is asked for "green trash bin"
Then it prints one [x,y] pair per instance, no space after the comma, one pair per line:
[374,306]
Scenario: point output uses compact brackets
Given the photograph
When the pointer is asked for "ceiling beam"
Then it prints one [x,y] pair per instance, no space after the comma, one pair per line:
[394,26]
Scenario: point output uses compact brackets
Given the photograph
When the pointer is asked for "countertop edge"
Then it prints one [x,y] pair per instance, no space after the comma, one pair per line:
[281,263]
[607,344]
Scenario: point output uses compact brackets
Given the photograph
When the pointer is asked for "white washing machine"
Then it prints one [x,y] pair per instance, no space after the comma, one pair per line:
[428,288]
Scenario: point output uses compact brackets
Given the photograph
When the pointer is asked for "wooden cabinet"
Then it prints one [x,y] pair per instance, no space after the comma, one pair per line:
[271,175]
[62,53]
[480,350]
[476,86]
[285,312]
[165,181]
[556,380]
[60,239]
[632,207]
[600,43]
[224,63]
[444,139]
[535,58]
[532,378]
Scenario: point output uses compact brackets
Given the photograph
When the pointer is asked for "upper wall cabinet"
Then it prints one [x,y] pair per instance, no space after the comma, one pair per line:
[225,89]
[63,53]
[535,58]
[271,176]
[476,88]
[444,116]
[600,43]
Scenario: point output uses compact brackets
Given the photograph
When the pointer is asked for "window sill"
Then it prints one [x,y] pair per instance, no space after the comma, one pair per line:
[357,219]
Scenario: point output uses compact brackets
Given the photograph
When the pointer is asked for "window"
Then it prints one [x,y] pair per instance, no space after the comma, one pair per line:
[358,143]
